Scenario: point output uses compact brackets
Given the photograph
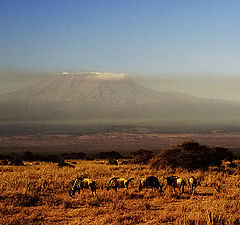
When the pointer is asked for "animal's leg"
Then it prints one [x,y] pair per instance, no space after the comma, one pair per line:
[182,189]
[140,186]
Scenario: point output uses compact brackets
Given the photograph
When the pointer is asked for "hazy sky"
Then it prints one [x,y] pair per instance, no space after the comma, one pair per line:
[133,36]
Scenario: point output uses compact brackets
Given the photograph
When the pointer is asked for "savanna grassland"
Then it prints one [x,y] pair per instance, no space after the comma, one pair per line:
[130,140]
[37,193]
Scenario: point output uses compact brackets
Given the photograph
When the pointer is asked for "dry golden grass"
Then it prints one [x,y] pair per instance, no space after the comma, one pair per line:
[37,193]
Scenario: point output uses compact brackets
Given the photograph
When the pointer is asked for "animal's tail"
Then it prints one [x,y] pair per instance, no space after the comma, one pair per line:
[81,177]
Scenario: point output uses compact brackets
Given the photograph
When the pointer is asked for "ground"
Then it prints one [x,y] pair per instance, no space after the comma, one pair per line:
[112,141]
[37,193]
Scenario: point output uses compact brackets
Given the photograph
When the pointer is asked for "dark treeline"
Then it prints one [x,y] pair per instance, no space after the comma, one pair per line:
[30,156]
[46,157]
[189,155]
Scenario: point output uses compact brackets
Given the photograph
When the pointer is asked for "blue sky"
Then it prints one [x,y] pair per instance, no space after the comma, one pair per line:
[150,37]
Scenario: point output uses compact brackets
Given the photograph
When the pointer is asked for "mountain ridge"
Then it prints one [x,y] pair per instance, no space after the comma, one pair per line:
[99,96]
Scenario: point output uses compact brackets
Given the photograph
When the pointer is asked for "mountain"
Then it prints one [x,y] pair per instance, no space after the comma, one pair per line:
[107,96]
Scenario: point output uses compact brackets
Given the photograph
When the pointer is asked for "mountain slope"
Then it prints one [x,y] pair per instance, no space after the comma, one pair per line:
[91,96]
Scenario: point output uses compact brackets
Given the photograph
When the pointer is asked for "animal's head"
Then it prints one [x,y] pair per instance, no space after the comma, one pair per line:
[75,187]
[131,179]
[72,193]
[82,177]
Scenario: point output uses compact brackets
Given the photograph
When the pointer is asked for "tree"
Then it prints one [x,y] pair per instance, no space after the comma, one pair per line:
[142,156]
[190,155]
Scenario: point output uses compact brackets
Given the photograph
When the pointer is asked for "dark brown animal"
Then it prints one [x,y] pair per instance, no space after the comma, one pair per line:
[176,182]
[150,182]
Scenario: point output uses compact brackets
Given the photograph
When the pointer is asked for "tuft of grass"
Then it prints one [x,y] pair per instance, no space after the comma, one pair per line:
[25,200]
[68,205]
[147,206]
[94,203]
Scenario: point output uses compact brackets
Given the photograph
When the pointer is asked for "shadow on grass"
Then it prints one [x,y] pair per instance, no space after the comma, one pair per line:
[203,194]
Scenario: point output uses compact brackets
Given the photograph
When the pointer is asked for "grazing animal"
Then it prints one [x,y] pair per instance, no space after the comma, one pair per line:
[80,184]
[150,182]
[116,183]
[176,182]
[171,180]
[192,182]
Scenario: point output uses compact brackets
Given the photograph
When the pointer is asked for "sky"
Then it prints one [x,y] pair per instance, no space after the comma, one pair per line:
[148,37]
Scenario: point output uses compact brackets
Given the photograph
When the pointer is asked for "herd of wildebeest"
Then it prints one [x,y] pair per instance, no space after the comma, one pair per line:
[152,182]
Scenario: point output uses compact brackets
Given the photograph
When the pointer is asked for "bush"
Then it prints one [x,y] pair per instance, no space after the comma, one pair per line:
[190,155]
[142,156]
[74,155]
[109,155]
[50,158]
[113,162]
[16,162]
[4,162]
[62,163]
[28,156]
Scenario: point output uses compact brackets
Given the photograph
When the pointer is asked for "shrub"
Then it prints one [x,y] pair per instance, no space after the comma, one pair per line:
[68,204]
[113,162]
[109,155]
[50,158]
[142,156]
[28,156]
[62,163]
[4,162]
[190,155]
[16,162]
[74,155]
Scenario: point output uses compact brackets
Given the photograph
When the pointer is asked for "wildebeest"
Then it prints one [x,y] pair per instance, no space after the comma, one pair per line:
[176,182]
[80,184]
[117,182]
[192,182]
[150,182]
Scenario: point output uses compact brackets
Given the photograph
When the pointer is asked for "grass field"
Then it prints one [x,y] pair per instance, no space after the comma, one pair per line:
[37,193]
